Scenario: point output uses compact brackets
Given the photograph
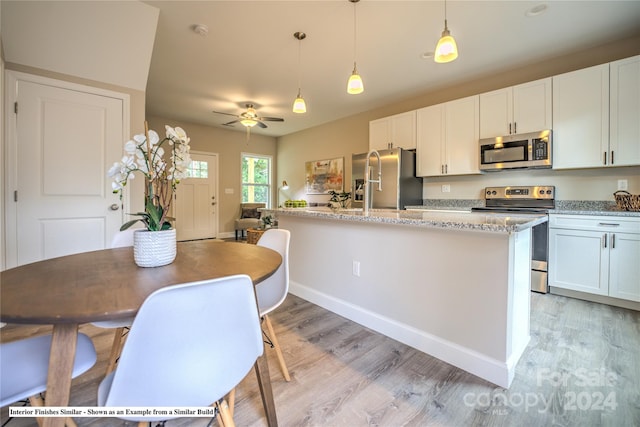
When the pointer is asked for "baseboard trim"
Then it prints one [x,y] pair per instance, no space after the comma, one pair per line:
[490,369]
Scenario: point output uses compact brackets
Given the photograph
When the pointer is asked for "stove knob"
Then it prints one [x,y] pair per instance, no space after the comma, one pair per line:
[488,192]
[548,191]
[494,192]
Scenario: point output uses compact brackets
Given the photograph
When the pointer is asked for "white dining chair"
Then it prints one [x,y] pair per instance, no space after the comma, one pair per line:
[24,365]
[272,291]
[120,240]
[188,346]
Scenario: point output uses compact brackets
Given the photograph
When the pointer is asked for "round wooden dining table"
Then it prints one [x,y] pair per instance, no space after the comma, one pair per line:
[107,285]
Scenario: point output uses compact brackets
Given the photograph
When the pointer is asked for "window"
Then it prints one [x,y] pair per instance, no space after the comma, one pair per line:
[198,169]
[256,179]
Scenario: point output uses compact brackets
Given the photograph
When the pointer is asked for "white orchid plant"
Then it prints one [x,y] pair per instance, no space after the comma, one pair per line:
[145,154]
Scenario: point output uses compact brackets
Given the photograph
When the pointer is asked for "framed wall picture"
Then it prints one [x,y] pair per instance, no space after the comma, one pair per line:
[321,176]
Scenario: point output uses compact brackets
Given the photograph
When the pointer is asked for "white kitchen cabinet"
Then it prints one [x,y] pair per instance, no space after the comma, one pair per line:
[516,109]
[596,116]
[581,118]
[624,133]
[595,254]
[398,130]
[447,138]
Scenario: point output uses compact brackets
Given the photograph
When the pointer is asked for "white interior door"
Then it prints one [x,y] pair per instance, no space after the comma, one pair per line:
[196,210]
[64,142]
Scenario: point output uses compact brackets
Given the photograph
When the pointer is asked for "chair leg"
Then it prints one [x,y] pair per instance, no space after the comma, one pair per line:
[232,401]
[116,348]
[276,346]
[36,401]
[225,415]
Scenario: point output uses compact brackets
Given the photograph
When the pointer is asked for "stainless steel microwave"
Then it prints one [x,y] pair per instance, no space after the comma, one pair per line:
[521,151]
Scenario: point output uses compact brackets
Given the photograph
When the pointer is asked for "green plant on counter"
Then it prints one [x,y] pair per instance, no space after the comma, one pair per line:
[339,199]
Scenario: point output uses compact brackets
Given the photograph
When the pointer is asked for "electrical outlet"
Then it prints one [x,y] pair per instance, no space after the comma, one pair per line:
[623,184]
[446,188]
[356,268]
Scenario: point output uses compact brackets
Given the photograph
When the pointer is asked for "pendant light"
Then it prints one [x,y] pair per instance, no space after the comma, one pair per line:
[354,85]
[299,106]
[446,50]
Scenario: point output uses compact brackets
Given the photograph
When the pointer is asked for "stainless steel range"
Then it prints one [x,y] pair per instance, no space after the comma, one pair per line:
[522,199]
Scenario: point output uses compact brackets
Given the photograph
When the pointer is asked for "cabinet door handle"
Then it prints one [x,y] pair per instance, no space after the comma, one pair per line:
[442,169]
[509,128]
[446,169]
[604,241]
[515,127]
[608,224]
[613,241]
[604,159]
[612,157]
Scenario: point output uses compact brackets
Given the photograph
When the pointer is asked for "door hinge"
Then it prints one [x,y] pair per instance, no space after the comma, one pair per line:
[15,107]
[15,196]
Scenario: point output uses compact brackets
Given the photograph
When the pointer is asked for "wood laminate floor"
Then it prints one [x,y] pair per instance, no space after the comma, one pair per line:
[581,368]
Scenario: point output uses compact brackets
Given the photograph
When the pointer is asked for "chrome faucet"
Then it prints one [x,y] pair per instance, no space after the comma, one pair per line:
[367,180]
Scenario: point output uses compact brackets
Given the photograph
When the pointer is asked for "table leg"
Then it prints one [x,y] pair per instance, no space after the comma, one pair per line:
[264,383]
[63,350]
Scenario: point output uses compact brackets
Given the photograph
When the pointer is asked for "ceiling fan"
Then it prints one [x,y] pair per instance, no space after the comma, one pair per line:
[250,118]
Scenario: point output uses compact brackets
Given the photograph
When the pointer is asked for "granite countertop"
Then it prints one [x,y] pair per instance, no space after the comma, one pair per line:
[446,219]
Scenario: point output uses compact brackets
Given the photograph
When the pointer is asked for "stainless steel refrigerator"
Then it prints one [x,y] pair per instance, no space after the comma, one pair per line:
[400,186]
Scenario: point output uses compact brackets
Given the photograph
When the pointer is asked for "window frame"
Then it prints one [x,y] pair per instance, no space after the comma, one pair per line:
[268,185]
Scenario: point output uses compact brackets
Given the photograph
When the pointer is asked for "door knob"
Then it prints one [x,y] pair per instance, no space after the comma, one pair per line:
[114,207]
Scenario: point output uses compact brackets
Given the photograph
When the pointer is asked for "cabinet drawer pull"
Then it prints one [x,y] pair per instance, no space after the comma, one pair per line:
[608,224]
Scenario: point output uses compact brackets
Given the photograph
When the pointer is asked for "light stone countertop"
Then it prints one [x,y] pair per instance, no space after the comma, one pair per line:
[454,219]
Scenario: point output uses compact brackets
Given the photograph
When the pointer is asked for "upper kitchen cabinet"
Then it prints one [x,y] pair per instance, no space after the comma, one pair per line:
[624,117]
[581,118]
[447,138]
[596,116]
[398,130]
[517,109]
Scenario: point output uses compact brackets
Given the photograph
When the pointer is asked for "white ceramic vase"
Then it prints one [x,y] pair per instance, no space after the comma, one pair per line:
[154,248]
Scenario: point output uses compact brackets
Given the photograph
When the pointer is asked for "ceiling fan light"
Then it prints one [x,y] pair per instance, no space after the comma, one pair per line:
[299,106]
[355,84]
[248,122]
[447,49]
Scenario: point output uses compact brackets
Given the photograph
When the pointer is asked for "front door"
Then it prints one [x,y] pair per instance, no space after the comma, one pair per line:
[63,143]
[196,202]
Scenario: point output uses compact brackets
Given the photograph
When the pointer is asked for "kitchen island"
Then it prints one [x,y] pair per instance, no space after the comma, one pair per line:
[455,285]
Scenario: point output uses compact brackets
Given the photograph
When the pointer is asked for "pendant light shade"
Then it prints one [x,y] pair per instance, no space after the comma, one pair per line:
[355,84]
[299,106]
[447,49]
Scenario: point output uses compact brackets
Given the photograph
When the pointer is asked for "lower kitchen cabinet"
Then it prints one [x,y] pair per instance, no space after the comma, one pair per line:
[595,254]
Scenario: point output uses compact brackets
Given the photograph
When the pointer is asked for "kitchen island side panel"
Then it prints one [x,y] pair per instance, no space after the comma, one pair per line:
[445,292]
